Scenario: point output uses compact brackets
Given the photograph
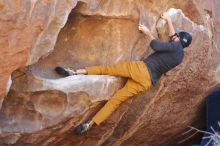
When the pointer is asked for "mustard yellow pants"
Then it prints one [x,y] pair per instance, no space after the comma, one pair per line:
[138,81]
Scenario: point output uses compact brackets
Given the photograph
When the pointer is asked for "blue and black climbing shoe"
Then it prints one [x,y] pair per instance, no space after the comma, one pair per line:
[82,128]
[65,71]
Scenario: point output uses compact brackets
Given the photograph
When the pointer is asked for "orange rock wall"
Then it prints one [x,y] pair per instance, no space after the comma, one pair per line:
[42,109]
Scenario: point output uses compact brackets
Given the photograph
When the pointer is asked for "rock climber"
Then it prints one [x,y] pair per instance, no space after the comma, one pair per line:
[141,74]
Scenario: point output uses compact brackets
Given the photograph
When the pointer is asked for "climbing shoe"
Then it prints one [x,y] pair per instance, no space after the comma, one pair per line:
[65,71]
[82,128]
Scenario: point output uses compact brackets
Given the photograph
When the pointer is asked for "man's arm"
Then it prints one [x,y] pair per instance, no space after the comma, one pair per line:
[162,46]
[166,17]
[146,31]
[155,44]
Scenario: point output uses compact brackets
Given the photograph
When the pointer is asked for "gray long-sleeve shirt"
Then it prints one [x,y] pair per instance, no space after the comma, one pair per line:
[167,55]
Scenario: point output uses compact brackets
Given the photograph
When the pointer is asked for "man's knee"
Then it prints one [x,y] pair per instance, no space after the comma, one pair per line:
[143,88]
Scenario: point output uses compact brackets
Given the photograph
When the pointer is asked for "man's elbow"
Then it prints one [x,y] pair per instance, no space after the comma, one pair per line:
[153,44]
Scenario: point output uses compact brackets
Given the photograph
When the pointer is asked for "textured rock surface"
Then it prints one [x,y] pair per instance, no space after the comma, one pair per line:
[29,29]
[41,109]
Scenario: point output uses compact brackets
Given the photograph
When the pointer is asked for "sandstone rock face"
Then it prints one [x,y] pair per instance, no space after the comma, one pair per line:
[42,109]
[29,29]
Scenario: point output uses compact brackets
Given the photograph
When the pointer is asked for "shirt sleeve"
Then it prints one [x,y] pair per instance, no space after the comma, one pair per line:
[162,46]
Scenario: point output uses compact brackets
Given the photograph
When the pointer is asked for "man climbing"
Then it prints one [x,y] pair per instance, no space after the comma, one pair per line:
[141,74]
